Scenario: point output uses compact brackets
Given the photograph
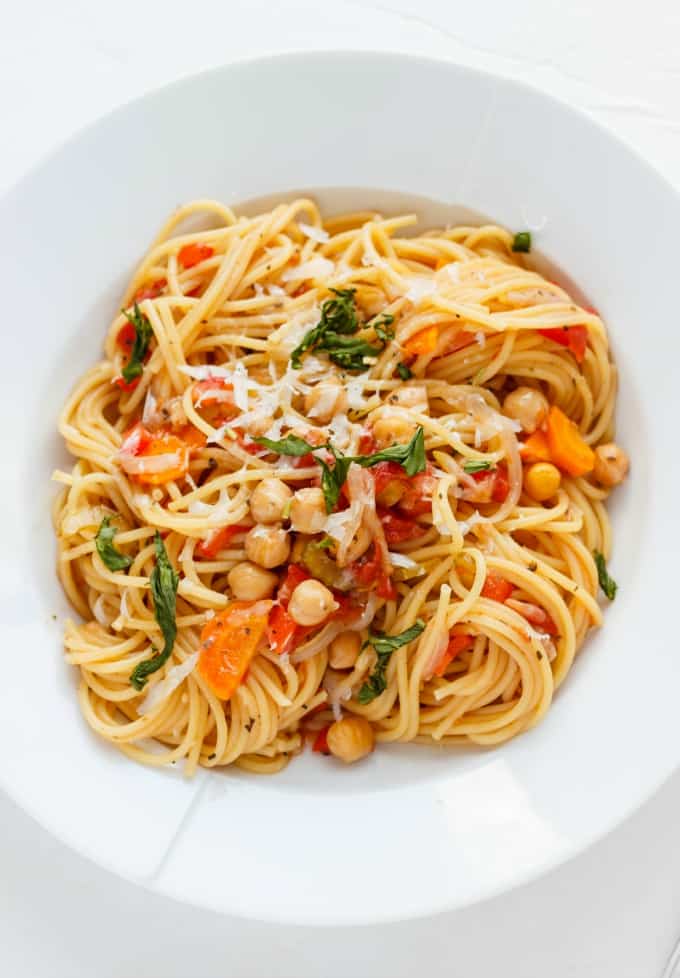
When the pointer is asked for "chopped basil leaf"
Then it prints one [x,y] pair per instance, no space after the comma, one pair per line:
[143,333]
[348,351]
[522,241]
[607,583]
[338,315]
[290,445]
[384,646]
[163,581]
[335,332]
[404,371]
[111,558]
[411,457]
[381,327]
[333,477]
[472,466]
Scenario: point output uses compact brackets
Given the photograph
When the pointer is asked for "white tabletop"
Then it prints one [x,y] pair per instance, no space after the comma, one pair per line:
[614,911]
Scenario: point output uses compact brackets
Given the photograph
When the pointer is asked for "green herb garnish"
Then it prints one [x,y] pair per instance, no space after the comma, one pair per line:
[333,477]
[411,457]
[607,583]
[338,315]
[112,558]
[404,371]
[163,581]
[143,333]
[381,327]
[522,241]
[290,445]
[473,465]
[335,332]
[384,646]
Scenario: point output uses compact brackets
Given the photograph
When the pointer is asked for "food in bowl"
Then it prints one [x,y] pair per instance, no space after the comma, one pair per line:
[334,483]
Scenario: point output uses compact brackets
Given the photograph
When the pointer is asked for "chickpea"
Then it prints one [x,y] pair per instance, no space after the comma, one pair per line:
[411,397]
[325,400]
[249,582]
[344,650]
[542,480]
[611,464]
[267,546]
[269,500]
[359,544]
[308,511]
[528,406]
[350,739]
[310,603]
[391,430]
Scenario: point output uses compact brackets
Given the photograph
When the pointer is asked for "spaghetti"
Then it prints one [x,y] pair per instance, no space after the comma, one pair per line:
[333,481]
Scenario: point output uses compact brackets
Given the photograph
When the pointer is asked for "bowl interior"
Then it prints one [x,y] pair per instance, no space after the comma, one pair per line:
[430,828]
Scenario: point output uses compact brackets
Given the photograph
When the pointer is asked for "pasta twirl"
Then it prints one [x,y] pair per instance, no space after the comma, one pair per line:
[330,472]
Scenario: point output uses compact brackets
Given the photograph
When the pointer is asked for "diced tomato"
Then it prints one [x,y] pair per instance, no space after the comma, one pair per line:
[229,642]
[126,385]
[497,480]
[136,439]
[347,611]
[390,481]
[496,588]
[151,291]
[192,254]
[195,292]
[139,442]
[218,539]
[281,630]
[126,336]
[244,441]
[397,530]
[214,390]
[367,444]
[418,497]
[457,644]
[302,461]
[369,571]
[574,338]
[295,574]
[320,745]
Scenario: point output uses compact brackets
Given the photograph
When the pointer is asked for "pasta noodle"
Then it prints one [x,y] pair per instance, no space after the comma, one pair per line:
[444,592]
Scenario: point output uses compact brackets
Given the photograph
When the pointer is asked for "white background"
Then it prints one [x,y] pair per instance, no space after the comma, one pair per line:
[614,911]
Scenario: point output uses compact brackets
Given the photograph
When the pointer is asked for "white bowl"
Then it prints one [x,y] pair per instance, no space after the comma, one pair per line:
[412,830]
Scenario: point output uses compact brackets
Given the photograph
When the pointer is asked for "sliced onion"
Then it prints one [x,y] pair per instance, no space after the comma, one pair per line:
[150,404]
[360,489]
[160,692]
[437,655]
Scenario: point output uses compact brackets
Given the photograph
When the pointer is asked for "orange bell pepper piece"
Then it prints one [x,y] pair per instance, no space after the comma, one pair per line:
[535,448]
[422,343]
[164,444]
[229,642]
[567,448]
